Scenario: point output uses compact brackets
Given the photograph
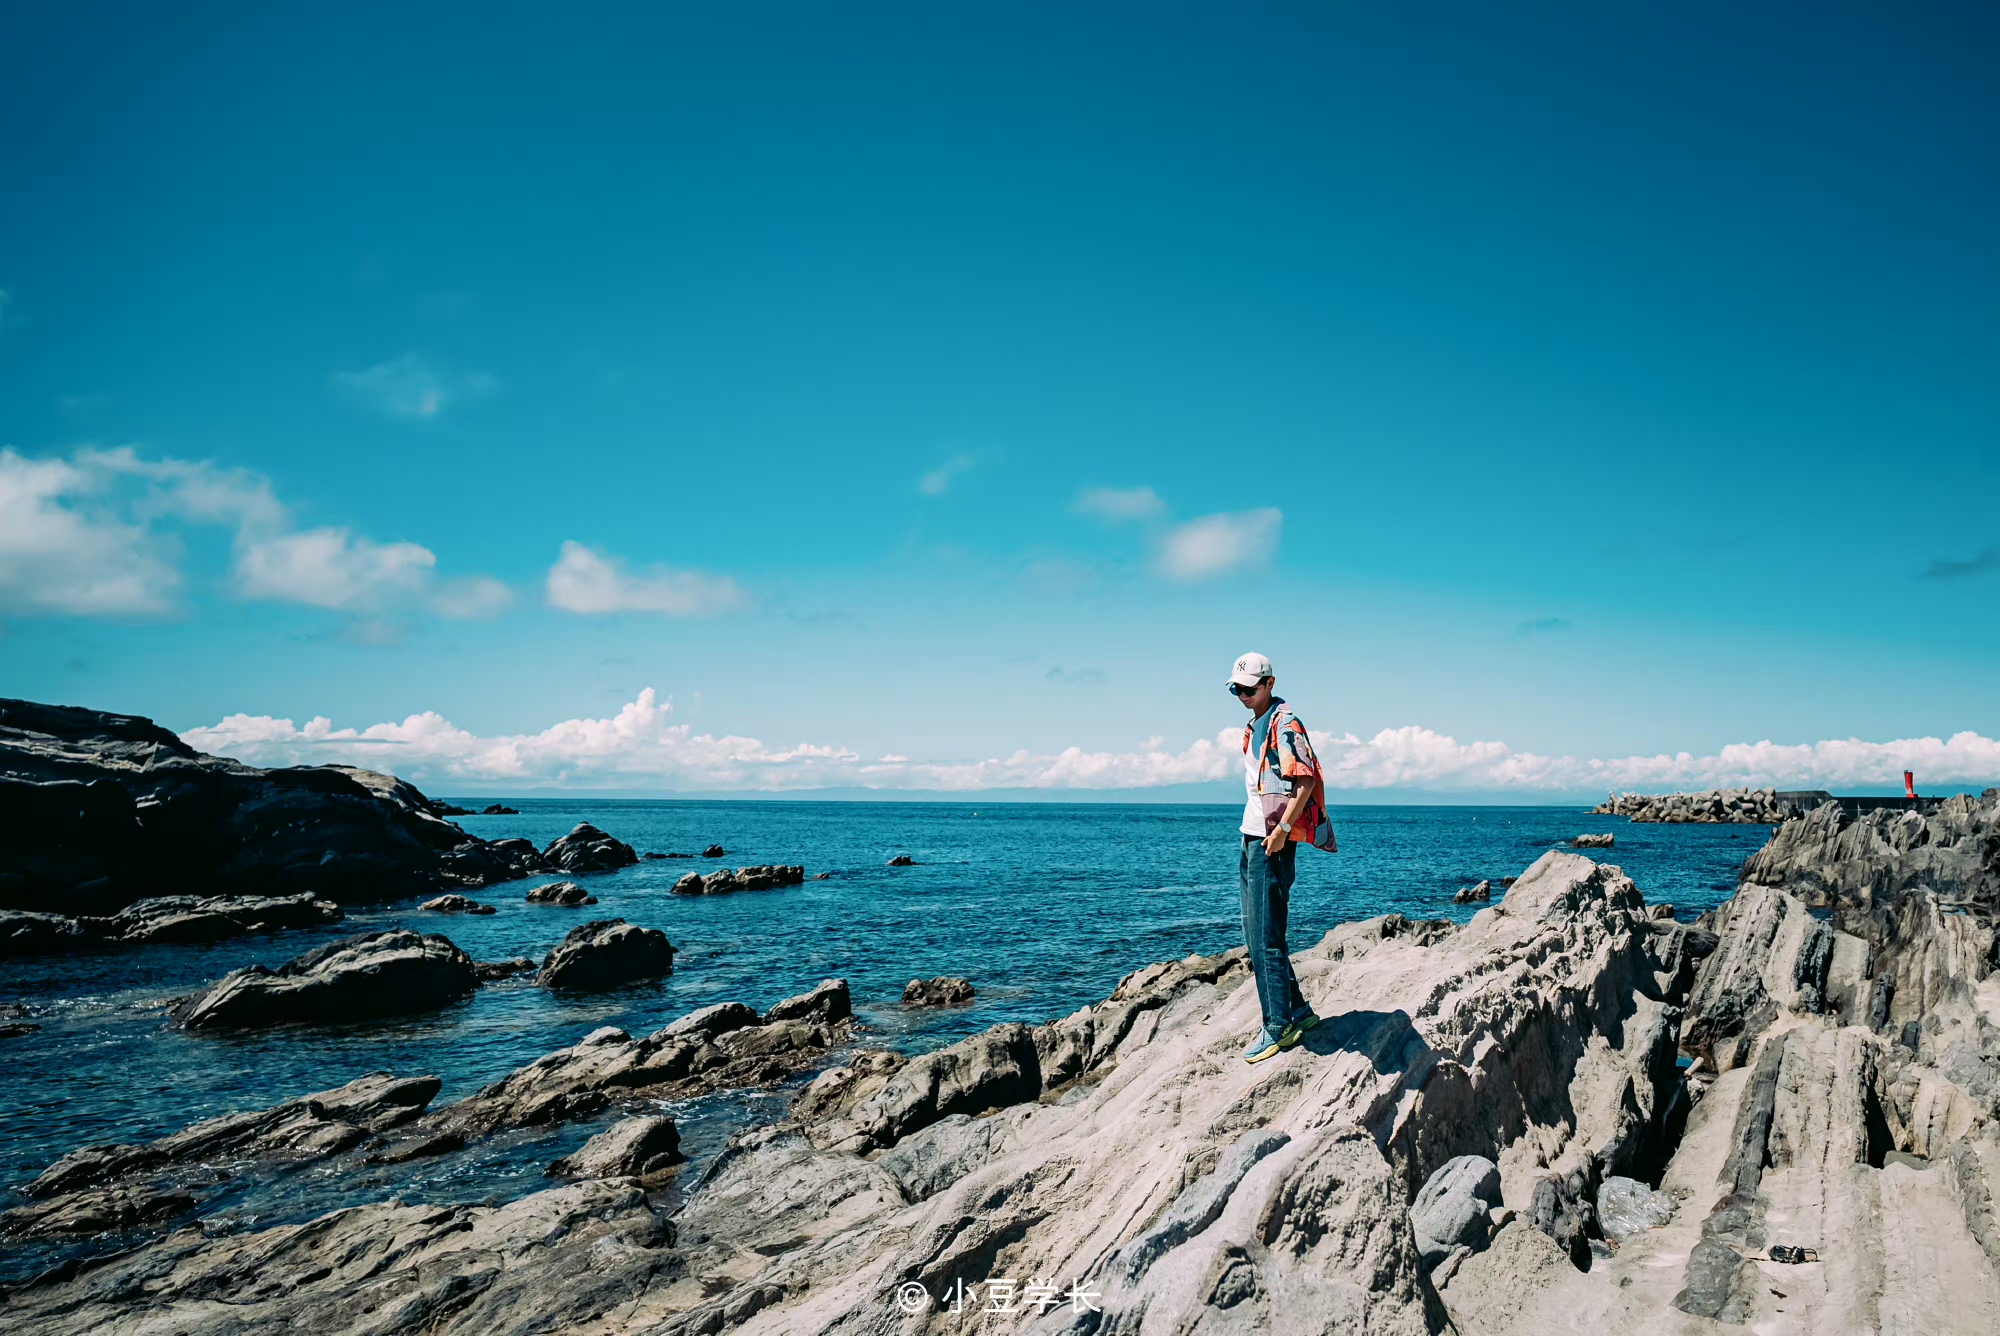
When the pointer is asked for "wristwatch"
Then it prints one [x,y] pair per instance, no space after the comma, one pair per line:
[1285,826]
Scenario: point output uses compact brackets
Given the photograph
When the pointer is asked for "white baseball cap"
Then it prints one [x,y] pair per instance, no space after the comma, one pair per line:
[1250,670]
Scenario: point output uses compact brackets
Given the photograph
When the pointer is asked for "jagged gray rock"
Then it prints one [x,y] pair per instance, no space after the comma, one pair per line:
[606,953]
[168,918]
[357,978]
[1452,1208]
[722,1046]
[631,1147]
[1477,894]
[1625,1206]
[1828,858]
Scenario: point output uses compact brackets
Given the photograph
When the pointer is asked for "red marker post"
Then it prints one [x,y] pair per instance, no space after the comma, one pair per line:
[1909,786]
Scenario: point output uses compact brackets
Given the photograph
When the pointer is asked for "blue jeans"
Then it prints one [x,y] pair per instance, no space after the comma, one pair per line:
[1267,898]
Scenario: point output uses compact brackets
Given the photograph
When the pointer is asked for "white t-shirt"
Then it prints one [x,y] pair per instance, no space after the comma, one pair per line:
[1260,734]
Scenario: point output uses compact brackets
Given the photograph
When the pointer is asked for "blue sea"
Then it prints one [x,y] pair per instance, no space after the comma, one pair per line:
[1043,906]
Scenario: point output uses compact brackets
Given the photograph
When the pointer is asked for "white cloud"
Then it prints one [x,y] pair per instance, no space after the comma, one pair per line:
[586,581]
[939,479]
[1119,503]
[90,536]
[472,598]
[1216,544]
[331,568]
[65,548]
[410,387]
[639,747]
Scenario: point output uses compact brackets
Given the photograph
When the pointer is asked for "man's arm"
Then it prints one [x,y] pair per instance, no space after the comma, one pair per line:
[1302,790]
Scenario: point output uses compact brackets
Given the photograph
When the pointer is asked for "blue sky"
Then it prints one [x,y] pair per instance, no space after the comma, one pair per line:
[950,383]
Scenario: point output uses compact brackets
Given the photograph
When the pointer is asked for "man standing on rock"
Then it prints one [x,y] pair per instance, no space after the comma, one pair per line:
[1277,760]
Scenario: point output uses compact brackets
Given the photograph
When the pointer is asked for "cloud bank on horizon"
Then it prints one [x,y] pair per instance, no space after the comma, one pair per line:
[641,747]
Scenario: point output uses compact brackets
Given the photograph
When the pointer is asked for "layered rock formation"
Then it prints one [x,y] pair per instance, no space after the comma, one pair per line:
[1828,858]
[1748,806]
[100,810]
[629,1148]
[560,893]
[356,978]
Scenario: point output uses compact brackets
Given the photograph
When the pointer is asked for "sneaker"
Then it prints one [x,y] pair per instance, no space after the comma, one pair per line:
[1265,1045]
[1296,1028]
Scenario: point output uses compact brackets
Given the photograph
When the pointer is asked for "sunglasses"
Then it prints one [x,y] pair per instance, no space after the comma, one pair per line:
[1240,691]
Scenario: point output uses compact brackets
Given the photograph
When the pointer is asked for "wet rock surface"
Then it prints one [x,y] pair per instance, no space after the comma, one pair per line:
[939,992]
[587,849]
[560,893]
[631,1147]
[116,1187]
[172,918]
[1592,841]
[100,810]
[606,953]
[765,877]
[374,974]
[456,904]
[725,1046]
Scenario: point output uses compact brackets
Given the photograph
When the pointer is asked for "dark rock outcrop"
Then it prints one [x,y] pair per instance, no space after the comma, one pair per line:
[939,992]
[100,810]
[606,953]
[489,970]
[760,878]
[498,809]
[902,860]
[714,851]
[588,849]
[357,978]
[1828,858]
[560,893]
[630,1148]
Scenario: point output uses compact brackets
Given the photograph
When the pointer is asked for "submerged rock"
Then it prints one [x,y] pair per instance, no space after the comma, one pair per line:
[588,849]
[902,860]
[125,1186]
[357,978]
[560,893]
[631,1147]
[938,992]
[489,970]
[606,953]
[100,810]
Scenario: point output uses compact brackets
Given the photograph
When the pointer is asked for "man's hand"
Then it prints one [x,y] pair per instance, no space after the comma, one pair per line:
[1274,843]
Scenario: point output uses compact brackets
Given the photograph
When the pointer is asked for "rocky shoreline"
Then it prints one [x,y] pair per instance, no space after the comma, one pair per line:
[1566,1115]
